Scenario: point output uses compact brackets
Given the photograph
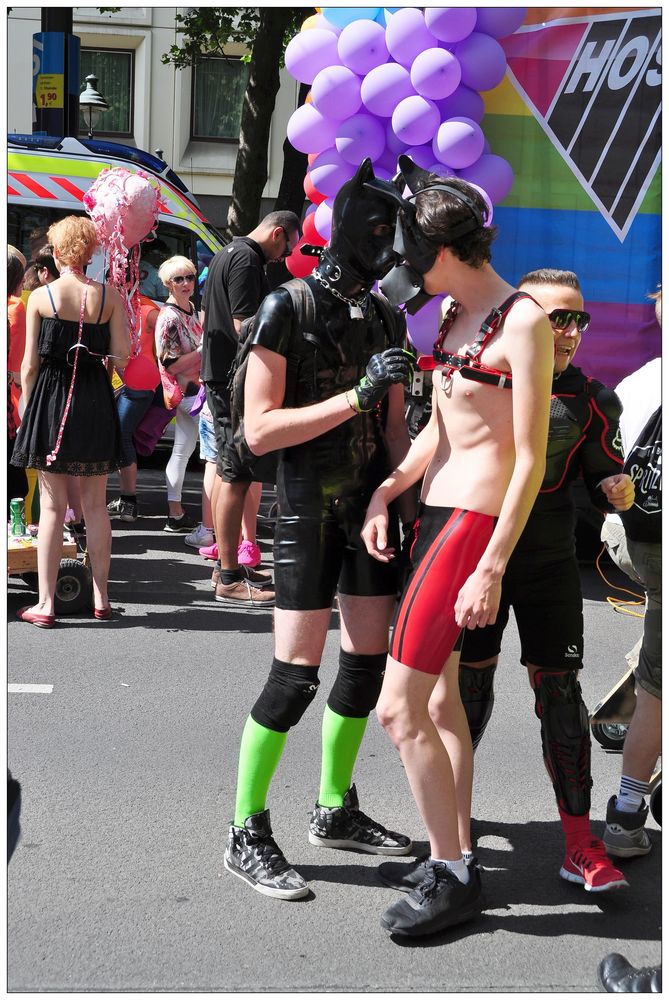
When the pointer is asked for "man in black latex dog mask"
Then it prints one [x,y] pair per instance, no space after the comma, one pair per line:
[338,425]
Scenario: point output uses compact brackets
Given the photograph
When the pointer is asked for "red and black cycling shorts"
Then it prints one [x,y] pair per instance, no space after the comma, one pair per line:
[448,545]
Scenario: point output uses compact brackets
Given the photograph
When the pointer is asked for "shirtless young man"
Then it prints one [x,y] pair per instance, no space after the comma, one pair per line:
[482,456]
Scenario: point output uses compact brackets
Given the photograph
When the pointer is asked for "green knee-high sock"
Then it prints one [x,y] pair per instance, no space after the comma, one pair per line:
[341,739]
[259,756]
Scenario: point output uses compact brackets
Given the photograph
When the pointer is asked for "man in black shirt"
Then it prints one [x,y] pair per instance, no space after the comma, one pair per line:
[236,285]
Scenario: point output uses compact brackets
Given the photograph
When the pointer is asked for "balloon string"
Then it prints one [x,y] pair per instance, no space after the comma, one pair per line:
[51,457]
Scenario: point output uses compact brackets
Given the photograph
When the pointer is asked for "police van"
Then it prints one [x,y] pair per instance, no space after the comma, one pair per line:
[47,178]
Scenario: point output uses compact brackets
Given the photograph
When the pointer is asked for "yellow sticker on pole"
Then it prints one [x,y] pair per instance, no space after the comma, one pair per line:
[49,90]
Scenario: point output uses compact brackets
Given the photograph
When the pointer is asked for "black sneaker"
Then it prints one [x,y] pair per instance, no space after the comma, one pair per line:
[126,510]
[405,877]
[345,827]
[440,901]
[179,525]
[252,854]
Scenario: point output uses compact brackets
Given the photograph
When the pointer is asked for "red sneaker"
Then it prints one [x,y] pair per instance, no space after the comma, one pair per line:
[588,865]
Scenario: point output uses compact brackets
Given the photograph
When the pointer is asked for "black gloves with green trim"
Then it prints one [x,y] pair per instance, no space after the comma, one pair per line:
[388,368]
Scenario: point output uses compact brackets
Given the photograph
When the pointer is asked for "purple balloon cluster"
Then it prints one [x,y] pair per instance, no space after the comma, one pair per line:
[393,80]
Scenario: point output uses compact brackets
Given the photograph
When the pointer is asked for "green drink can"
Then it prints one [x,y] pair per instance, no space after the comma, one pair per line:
[17,516]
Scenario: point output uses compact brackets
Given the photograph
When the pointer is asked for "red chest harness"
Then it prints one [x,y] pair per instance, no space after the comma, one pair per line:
[469,364]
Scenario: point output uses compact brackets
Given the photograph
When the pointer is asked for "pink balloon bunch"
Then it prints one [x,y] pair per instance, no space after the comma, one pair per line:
[391,80]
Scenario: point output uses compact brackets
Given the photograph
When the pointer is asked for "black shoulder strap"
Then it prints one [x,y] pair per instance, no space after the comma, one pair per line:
[102,304]
[492,322]
[53,304]
[304,321]
[388,315]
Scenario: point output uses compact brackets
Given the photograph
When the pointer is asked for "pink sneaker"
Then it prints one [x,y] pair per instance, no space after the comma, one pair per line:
[249,554]
[209,551]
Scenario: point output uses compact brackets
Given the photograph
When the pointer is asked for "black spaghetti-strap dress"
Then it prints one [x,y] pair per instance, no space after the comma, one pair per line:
[91,441]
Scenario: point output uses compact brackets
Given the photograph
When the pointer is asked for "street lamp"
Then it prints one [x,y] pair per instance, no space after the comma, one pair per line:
[91,103]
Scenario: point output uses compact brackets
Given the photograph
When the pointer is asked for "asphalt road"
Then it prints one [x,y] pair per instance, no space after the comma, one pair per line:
[128,773]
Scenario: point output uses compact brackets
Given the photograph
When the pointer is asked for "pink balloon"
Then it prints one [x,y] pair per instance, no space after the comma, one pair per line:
[299,264]
[422,155]
[458,142]
[335,92]
[384,87]
[499,21]
[462,101]
[323,219]
[415,120]
[450,24]
[493,173]
[329,171]
[360,136]
[407,35]
[309,52]
[435,73]
[362,46]
[308,129]
[482,61]
[424,326]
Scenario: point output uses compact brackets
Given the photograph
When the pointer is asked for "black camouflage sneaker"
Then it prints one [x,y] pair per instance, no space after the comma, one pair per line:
[440,901]
[405,877]
[126,510]
[253,855]
[624,834]
[345,827]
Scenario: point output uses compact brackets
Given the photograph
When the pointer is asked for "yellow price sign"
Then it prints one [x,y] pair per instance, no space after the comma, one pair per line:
[49,90]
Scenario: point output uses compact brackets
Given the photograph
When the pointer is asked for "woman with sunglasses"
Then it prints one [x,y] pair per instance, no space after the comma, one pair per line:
[542,581]
[178,350]
[70,426]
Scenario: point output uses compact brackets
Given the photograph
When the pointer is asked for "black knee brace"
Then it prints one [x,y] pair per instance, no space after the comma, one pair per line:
[478,697]
[288,692]
[565,736]
[357,685]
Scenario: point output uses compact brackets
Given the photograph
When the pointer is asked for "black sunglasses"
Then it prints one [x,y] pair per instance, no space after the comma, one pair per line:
[560,319]
[287,252]
[179,279]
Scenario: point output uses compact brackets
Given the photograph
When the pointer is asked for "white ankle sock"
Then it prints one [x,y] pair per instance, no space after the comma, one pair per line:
[630,796]
[459,868]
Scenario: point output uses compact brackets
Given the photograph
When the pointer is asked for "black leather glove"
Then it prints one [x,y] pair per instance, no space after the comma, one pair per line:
[383,370]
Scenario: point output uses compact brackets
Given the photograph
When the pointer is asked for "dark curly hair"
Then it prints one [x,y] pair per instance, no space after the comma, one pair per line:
[437,212]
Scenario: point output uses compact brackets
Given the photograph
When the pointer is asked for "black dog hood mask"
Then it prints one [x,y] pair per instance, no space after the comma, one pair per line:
[414,254]
[364,215]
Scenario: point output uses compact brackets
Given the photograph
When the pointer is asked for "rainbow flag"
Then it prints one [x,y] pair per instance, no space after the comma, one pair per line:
[578,116]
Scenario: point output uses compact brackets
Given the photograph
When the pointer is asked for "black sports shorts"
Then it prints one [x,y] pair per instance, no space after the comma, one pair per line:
[229,465]
[546,598]
[318,550]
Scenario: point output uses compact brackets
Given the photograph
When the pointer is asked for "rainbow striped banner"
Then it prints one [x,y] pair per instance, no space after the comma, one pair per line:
[578,117]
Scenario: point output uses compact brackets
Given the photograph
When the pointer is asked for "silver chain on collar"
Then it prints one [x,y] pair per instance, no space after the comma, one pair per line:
[352,303]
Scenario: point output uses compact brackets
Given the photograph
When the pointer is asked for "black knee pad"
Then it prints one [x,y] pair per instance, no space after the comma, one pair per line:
[565,736]
[357,685]
[288,692]
[478,697]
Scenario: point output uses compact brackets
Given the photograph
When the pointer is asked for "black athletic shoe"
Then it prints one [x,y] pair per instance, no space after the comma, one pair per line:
[346,828]
[405,877]
[179,525]
[440,901]
[253,855]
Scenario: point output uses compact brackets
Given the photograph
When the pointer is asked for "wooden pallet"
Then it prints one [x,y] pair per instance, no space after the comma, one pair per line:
[22,553]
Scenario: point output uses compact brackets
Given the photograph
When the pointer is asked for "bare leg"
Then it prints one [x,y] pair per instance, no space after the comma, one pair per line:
[98,535]
[403,712]
[53,504]
[250,514]
[74,496]
[299,636]
[128,478]
[228,513]
[448,715]
[643,742]
[207,493]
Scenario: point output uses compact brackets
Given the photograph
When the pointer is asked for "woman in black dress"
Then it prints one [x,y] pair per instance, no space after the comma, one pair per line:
[70,425]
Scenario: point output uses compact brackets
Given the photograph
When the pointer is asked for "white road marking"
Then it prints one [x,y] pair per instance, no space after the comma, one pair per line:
[30,688]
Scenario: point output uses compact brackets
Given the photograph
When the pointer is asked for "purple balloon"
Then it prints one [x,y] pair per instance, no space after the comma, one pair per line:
[393,144]
[423,327]
[450,24]
[309,52]
[458,142]
[435,73]
[422,155]
[308,130]
[482,61]
[362,46]
[488,204]
[441,170]
[415,120]
[386,161]
[323,23]
[329,171]
[462,101]
[360,136]
[407,35]
[335,92]
[499,21]
[493,173]
[384,87]
[323,218]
